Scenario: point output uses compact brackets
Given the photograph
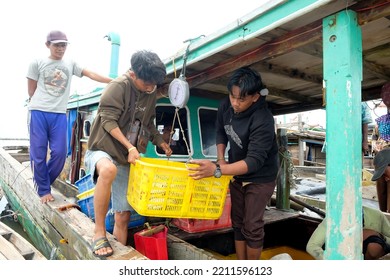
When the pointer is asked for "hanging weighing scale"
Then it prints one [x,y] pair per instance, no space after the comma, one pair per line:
[179,90]
[179,93]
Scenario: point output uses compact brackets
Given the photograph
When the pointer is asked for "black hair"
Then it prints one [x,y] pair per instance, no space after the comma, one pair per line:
[248,80]
[148,67]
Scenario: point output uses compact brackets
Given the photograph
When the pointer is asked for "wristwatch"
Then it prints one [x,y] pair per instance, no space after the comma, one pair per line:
[217,172]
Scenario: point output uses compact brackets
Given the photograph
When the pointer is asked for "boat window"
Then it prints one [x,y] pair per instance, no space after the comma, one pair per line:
[171,129]
[207,122]
[86,128]
[207,118]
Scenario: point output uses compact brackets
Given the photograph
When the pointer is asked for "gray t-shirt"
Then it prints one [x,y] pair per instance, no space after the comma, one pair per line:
[53,83]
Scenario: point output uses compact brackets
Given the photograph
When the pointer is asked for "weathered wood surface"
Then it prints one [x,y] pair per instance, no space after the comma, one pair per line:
[271,215]
[59,229]
[59,234]
[178,249]
[14,247]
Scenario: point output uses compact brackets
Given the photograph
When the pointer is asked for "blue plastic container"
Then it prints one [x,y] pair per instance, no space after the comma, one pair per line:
[85,183]
[86,205]
[135,220]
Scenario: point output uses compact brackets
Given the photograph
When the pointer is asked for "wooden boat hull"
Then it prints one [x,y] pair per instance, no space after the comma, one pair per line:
[59,229]
[13,246]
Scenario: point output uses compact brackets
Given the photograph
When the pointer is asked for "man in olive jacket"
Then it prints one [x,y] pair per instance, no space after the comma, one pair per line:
[126,100]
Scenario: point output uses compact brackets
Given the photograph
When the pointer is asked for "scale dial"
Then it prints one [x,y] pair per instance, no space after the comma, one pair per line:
[179,92]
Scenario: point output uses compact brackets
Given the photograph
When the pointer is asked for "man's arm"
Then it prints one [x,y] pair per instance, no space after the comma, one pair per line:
[96,77]
[316,241]
[31,87]
[133,153]
[385,228]
[365,138]
[366,119]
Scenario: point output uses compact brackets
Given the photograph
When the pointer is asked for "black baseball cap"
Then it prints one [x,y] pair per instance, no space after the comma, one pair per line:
[381,161]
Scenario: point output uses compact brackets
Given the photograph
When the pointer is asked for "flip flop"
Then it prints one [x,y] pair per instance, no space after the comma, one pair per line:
[99,243]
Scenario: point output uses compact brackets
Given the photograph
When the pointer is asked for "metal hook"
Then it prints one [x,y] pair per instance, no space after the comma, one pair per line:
[185,56]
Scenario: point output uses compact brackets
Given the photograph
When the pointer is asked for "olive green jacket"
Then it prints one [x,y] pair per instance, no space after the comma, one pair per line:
[116,110]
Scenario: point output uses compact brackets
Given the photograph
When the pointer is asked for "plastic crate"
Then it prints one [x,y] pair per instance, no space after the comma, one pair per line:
[135,220]
[86,205]
[200,225]
[162,188]
[85,183]
[85,194]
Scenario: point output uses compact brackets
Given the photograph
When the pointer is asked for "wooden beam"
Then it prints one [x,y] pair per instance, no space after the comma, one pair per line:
[290,95]
[8,250]
[289,72]
[369,10]
[286,43]
[281,45]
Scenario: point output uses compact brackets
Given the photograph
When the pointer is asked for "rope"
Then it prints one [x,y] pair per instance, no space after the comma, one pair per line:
[182,131]
[16,213]
[12,214]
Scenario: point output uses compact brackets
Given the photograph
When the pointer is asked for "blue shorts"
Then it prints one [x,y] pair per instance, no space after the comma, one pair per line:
[119,186]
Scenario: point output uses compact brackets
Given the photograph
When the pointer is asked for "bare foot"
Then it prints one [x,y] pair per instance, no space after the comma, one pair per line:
[47,198]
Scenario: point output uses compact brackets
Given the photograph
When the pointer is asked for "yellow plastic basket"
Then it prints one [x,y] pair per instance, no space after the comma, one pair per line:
[162,188]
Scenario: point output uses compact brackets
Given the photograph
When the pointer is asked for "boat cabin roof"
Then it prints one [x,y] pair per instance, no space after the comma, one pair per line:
[283,40]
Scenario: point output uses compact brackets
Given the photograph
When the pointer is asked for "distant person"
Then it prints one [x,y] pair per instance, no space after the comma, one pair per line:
[366,119]
[376,236]
[245,122]
[381,134]
[49,81]
[127,100]
[382,178]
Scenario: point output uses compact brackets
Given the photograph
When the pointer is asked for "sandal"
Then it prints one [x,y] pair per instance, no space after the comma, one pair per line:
[99,243]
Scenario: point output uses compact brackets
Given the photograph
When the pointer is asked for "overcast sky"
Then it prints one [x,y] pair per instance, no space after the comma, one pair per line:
[159,26]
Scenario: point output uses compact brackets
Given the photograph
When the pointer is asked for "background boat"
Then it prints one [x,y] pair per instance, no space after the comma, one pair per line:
[13,246]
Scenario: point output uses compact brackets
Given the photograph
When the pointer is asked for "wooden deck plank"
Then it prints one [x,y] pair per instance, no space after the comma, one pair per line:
[68,230]
[2,257]
[271,215]
[178,249]
[24,248]
[9,251]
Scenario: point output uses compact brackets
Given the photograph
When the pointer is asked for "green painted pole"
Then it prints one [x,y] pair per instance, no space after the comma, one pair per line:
[342,43]
[283,180]
[115,44]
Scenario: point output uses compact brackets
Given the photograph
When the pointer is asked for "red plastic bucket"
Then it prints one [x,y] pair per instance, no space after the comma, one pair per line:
[154,246]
